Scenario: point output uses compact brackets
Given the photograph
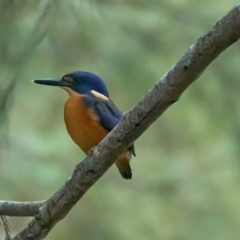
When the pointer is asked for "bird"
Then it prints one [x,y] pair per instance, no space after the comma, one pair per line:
[89,113]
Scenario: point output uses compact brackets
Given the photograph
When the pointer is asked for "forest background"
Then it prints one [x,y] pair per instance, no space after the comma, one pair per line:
[186,176]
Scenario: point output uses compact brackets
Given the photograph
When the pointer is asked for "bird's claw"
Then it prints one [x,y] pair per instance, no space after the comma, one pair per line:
[91,151]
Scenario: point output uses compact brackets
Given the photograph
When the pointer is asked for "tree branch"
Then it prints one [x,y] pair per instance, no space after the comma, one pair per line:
[134,123]
[19,209]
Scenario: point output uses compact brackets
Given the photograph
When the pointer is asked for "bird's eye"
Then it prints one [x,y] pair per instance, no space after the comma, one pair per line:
[68,79]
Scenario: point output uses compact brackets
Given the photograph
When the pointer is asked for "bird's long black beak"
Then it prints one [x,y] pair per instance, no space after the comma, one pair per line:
[53,82]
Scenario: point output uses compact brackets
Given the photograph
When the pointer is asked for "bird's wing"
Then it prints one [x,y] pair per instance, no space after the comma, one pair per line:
[107,112]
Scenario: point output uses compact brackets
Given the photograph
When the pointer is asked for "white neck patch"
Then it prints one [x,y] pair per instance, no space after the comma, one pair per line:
[99,95]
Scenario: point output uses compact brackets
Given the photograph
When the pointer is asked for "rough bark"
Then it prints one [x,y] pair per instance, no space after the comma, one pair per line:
[165,92]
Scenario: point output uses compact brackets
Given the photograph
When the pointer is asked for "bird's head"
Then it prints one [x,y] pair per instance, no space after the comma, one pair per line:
[78,81]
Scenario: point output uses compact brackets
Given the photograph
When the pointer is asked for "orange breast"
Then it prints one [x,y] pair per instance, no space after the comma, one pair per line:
[82,124]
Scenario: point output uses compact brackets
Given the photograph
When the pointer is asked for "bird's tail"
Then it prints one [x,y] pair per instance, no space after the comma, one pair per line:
[123,165]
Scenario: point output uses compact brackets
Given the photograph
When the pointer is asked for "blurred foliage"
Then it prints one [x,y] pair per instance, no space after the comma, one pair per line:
[186,177]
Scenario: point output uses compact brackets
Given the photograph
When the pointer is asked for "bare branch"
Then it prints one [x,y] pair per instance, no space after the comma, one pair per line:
[19,209]
[39,32]
[134,123]
[18,62]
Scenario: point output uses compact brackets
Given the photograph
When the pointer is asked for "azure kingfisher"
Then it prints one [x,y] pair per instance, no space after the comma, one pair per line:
[89,113]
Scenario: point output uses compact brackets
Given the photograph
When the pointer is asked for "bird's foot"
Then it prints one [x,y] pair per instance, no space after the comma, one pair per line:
[91,151]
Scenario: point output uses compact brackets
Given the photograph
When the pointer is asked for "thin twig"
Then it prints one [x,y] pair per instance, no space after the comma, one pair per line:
[5,226]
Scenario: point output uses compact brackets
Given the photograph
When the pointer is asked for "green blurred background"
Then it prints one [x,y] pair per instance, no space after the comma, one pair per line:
[186,177]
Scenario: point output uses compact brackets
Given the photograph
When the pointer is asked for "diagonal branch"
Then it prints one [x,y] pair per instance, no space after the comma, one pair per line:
[165,92]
